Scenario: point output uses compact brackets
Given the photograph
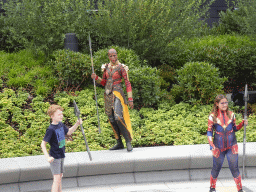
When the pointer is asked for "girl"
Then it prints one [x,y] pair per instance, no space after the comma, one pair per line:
[223,123]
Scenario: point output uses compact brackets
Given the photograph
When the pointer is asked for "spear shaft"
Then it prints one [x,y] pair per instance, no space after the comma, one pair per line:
[90,45]
[77,113]
[245,118]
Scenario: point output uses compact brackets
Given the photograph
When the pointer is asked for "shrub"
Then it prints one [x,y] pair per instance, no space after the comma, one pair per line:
[167,74]
[148,26]
[166,80]
[240,20]
[42,25]
[233,21]
[167,100]
[182,124]
[23,69]
[22,127]
[145,86]
[144,26]
[72,68]
[232,54]
[199,82]
[176,92]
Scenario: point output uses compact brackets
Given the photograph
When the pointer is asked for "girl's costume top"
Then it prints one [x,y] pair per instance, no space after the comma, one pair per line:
[224,128]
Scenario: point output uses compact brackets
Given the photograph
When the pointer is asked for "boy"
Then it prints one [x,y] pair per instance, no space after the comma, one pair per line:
[55,136]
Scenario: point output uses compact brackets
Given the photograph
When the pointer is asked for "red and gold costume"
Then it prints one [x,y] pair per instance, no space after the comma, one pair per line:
[224,144]
[115,101]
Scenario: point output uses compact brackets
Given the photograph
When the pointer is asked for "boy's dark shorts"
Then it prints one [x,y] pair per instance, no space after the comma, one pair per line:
[57,166]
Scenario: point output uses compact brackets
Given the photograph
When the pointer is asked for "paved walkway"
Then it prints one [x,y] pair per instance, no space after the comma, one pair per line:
[223,185]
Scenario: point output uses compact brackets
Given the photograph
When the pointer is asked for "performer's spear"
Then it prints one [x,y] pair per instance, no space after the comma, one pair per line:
[245,118]
[77,113]
[90,44]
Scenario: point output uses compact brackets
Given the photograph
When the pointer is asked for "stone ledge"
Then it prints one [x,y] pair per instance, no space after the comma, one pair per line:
[170,163]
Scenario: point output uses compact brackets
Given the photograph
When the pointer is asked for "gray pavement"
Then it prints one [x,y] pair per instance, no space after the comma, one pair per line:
[223,185]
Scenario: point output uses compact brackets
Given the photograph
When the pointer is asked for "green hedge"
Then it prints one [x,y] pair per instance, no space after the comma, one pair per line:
[24,122]
[24,69]
[73,69]
[145,86]
[198,82]
[42,25]
[240,20]
[144,26]
[234,55]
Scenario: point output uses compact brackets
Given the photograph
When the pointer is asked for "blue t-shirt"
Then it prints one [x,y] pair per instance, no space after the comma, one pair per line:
[55,136]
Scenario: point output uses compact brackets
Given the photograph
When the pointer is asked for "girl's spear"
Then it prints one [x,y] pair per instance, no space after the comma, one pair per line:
[94,84]
[245,117]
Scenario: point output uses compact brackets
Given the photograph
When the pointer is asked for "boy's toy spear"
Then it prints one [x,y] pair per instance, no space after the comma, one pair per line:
[90,44]
[245,117]
[77,113]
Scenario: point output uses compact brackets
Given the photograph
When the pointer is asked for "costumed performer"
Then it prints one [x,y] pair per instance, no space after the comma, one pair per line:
[115,101]
[223,123]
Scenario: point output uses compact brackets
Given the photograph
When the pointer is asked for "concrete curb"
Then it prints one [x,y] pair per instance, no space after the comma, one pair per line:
[147,164]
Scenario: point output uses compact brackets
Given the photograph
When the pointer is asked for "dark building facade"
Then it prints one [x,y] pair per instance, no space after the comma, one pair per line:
[1,10]
[216,8]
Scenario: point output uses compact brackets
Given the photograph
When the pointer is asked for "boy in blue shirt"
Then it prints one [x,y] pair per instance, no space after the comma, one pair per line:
[55,136]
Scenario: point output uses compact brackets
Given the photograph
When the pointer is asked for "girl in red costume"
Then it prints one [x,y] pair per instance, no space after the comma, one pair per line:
[115,101]
[223,123]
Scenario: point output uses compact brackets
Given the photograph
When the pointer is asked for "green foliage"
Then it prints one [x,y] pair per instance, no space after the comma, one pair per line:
[71,71]
[199,82]
[240,20]
[145,86]
[176,92]
[23,69]
[167,100]
[166,80]
[154,31]
[144,26]
[167,74]
[42,25]
[232,22]
[147,26]
[22,128]
[250,129]
[232,54]
[72,68]
[179,125]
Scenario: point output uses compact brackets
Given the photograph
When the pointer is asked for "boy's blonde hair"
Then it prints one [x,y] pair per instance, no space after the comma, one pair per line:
[53,108]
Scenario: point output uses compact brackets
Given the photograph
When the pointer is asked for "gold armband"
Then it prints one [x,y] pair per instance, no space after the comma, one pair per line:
[129,94]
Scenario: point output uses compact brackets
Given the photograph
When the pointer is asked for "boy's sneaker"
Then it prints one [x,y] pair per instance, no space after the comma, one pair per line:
[213,190]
